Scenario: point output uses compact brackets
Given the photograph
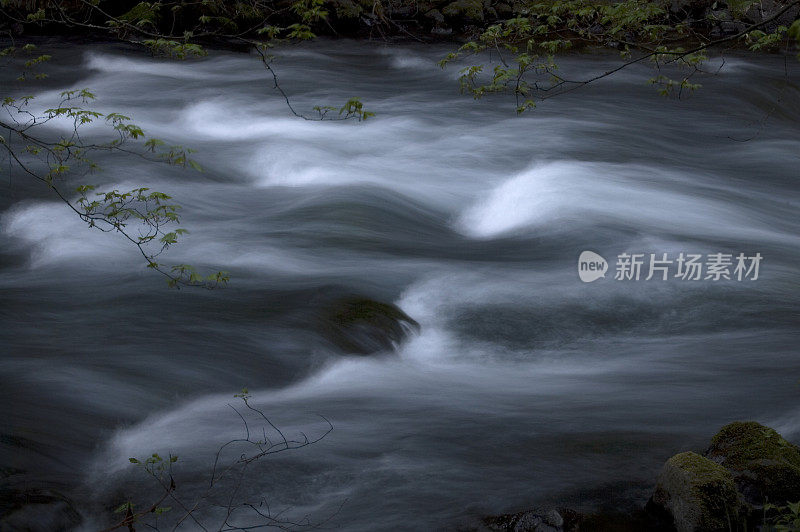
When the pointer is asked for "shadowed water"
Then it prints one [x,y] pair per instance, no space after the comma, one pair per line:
[524,386]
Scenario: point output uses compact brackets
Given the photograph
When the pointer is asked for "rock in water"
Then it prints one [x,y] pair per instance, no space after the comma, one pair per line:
[361,326]
[765,466]
[700,494]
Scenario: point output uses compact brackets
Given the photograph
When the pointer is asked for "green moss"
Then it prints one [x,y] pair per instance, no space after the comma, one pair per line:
[765,465]
[359,325]
[698,493]
[711,484]
[702,470]
[742,442]
[357,310]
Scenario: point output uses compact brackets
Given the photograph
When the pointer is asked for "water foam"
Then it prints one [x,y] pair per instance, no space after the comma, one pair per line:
[55,234]
[553,195]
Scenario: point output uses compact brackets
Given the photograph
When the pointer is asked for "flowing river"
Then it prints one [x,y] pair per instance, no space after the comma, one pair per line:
[524,386]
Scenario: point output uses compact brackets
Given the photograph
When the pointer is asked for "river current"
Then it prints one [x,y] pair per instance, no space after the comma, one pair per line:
[524,387]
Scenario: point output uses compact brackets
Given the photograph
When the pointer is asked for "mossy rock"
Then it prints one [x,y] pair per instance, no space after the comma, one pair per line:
[700,494]
[469,9]
[362,326]
[765,466]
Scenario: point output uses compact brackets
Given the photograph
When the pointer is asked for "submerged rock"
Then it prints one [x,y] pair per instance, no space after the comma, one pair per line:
[765,466]
[699,494]
[361,326]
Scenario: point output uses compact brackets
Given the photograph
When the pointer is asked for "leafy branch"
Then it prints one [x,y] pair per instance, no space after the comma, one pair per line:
[177,29]
[148,219]
[526,46]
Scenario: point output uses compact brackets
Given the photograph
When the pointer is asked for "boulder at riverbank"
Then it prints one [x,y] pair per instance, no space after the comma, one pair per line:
[723,490]
[699,494]
[746,466]
[765,466]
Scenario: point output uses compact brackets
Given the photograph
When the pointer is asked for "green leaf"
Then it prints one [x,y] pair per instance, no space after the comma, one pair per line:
[124,507]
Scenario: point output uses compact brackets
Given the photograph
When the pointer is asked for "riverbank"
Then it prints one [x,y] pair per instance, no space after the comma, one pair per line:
[426,21]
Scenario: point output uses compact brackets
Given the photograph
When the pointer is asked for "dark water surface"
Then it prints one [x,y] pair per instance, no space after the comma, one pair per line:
[524,387]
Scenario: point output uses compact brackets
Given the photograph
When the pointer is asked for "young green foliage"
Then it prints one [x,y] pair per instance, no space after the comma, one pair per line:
[148,219]
[524,46]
